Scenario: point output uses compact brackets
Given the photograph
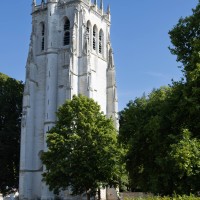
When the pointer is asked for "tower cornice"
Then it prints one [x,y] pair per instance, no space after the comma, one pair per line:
[92,7]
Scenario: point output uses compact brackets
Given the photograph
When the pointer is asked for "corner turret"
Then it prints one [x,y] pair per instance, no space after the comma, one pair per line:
[112,101]
[101,6]
[108,12]
[33,5]
[95,5]
[42,4]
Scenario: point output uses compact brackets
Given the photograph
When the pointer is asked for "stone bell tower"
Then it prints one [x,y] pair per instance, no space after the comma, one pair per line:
[70,53]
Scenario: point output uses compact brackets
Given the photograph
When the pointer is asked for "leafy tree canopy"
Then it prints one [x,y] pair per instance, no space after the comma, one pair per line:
[151,128]
[82,149]
[162,130]
[185,37]
[11,92]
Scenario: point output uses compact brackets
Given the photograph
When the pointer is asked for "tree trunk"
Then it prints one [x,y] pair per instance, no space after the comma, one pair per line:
[88,196]
[99,194]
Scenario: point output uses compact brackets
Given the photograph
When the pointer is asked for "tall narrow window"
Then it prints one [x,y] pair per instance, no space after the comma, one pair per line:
[43,34]
[94,37]
[101,42]
[88,32]
[88,29]
[66,40]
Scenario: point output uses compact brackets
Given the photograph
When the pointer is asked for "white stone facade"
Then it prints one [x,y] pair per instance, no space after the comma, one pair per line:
[61,65]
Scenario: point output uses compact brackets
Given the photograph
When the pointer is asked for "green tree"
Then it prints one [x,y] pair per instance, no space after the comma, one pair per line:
[147,139]
[155,129]
[11,92]
[185,37]
[84,145]
[185,155]
[153,126]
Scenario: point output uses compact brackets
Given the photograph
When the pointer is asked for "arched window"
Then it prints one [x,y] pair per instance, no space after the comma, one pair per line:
[42,36]
[94,37]
[66,39]
[88,27]
[89,31]
[101,41]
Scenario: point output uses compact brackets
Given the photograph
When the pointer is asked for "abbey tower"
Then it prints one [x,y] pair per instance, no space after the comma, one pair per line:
[70,53]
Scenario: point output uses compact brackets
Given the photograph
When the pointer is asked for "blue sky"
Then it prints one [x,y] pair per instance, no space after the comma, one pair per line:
[139,36]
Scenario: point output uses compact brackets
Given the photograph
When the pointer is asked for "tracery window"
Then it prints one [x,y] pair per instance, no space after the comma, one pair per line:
[94,37]
[66,39]
[43,35]
[101,41]
[89,31]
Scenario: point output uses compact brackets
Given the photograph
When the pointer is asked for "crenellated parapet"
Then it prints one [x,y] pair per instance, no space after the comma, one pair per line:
[93,6]
[100,10]
[40,7]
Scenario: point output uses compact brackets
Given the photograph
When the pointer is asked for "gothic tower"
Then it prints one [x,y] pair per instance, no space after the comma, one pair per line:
[70,53]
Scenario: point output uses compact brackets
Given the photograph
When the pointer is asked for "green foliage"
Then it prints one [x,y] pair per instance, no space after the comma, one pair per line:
[161,131]
[156,141]
[82,149]
[185,37]
[186,154]
[175,197]
[10,122]
[123,174]
[148,141]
